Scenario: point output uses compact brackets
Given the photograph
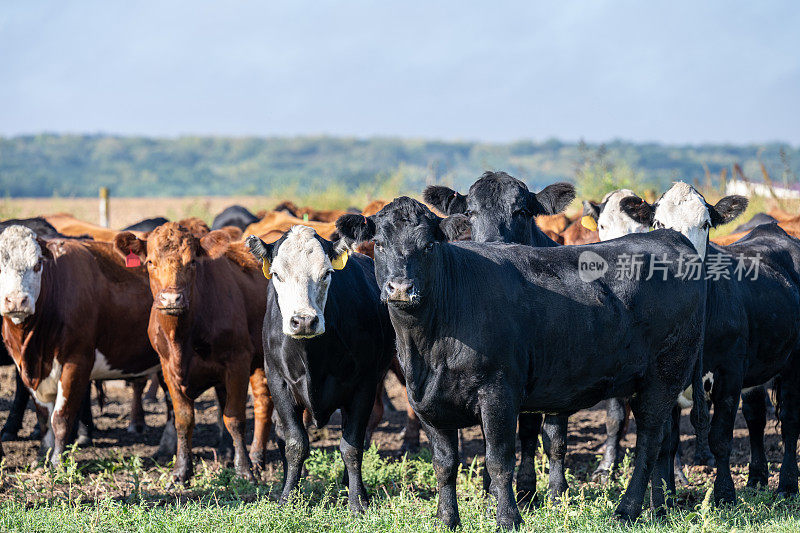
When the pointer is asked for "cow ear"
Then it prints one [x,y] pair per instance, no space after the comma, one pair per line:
[591,214]
[132,248]
[233,232]
[356,228]
[456,228]
[445,199]
[638,210]
[552,200]
[43,246]
[340,255]
[727,209]
[215,244]
[261,251]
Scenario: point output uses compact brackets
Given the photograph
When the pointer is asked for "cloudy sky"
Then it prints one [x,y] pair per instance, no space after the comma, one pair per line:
[710,71]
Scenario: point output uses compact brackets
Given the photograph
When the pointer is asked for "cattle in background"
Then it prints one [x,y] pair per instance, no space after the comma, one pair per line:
[789,225]
[63,302]
[757,220]
[502,209]
[236,216]
[328,343]
[148,224]
[208,299]
[309,214]
[480,336]
[746,342]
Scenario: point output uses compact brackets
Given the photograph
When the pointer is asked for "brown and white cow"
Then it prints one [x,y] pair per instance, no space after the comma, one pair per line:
[72,312]
[208,300]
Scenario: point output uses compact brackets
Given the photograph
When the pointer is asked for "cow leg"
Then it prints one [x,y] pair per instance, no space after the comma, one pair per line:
[530,425]
[262,415]
[788,409]
[183,407]
[14,421]
[355,419]
[677,462]
[651,409]
[754,409]
[235,417]
[85,426]
[725,396]
[616,416]
[499,432]
[662,480]
[136,424]
[555,445]
[445,465]
[225,449]
[168,444]
[375,415]
[294,445]
[73,384]
[45,429]
[410,434]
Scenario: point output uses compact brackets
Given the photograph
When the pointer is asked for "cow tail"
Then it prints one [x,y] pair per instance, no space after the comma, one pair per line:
[700,416]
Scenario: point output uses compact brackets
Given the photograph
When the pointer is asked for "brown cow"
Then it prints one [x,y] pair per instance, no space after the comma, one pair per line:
[309,214]
[72,312]
[208,302]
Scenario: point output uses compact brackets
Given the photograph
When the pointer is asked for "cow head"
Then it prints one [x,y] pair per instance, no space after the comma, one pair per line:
[172,254]
[407,239]
[684,210]
[300,265]
[500,207]
[609,219]
[22,255]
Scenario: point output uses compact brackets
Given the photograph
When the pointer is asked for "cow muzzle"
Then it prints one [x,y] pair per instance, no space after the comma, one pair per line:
[17,307]
[305,326]
[401,293]
[171,303]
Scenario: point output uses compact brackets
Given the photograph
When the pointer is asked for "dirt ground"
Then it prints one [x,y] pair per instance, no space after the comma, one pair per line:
[586,434]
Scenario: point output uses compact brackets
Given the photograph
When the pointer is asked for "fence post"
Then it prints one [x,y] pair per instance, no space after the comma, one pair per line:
[104,207]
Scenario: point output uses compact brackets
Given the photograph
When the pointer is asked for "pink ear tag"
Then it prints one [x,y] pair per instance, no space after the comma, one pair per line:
[132,260]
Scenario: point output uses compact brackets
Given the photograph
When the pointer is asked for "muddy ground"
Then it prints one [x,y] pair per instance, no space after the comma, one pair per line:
[586,434]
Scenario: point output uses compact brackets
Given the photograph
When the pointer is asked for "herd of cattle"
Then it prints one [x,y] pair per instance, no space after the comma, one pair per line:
[477,302]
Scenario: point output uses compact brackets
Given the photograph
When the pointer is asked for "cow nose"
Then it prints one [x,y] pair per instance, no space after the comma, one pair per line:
[172,299]
[400,290]
[303,324]
[17,302]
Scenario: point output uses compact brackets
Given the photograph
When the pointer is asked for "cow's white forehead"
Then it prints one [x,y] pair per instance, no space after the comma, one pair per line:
[615,196]
[613,222]
[682,208]
[18,248]
[301,252]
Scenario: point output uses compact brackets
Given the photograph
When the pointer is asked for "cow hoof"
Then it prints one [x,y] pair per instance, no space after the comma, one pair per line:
[601,475]
[510,522]
[359,505]
[725,498]
[136,429]
[786,494]
[680,478]
[450,521]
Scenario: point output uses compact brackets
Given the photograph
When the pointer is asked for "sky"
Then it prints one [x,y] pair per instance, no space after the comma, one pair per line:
[672,72]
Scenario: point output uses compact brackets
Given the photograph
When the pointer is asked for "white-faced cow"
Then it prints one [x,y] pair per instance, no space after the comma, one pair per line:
[500,208]
[72,312]
[752,331]
[480,335]
[328,343]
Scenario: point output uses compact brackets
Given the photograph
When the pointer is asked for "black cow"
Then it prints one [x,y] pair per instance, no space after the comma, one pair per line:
[328,343]
[480,336]
[500,208]
[752,330]
[148,224]
[757,220]
[235,215]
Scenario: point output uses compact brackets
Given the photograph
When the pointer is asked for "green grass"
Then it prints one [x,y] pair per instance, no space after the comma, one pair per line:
[120,494]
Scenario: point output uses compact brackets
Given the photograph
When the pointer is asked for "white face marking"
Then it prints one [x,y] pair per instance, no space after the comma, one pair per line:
[301,274]
[613,222]
[20,273]
[683,209]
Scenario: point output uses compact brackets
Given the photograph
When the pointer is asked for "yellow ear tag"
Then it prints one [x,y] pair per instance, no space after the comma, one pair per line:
[340,261]
[265,269]
[589,223]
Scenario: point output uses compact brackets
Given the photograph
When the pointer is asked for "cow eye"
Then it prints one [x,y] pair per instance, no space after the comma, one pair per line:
[327,275]
[378,245]
[707,225]
[468,213]
[277,277]
[38,266]
[521,213]
[658,225]
[429,246]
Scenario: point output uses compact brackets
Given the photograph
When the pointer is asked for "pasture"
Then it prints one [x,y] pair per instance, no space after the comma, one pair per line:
[116,486]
